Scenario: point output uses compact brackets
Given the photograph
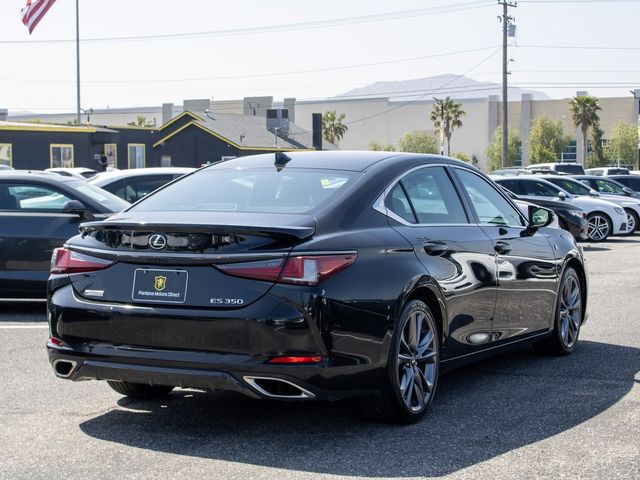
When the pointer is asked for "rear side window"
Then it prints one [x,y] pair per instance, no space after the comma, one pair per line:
[513,186]
[31,197]
[608,187]
[250,190]
[432,196]
[539,189]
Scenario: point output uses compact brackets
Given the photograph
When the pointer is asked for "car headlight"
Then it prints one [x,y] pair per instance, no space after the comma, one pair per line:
[619,211]
[576,213]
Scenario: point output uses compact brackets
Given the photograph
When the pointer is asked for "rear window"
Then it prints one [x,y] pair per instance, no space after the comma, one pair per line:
[572,168]
[254,190]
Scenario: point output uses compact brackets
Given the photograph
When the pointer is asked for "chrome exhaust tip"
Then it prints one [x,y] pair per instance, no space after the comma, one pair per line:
[64,368]
[278,388]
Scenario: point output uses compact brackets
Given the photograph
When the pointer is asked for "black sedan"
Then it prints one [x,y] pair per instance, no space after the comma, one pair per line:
[38,213]
[313,275]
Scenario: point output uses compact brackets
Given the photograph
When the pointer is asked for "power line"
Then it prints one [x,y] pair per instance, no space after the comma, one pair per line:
[335,22]
[270,74]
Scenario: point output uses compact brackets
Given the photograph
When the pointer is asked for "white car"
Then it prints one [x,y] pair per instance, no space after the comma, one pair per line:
[605,218]
[604,171]
[631,205]
[81,173]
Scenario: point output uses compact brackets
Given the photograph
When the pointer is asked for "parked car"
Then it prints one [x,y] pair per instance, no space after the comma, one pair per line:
[604,218]
[606,171]
[38,212]
[571,168]
[136,183]
[313,275]
[510,171]
[77,172]
[606,185]
[630,181]
[580,185]
[4,167]
[569,217]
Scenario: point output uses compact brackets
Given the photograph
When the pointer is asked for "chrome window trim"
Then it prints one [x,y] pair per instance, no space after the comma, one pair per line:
[380,206]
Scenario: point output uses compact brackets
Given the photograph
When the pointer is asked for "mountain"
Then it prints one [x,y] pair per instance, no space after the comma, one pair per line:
[457,87]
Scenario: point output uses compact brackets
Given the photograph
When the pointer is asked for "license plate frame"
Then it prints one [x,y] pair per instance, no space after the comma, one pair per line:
[160,285]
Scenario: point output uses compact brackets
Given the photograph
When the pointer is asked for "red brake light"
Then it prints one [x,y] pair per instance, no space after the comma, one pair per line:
[296,359]
[68,261]
[298,270]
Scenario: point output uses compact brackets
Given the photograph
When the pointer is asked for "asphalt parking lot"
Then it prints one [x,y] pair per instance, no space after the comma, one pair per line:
[517,415]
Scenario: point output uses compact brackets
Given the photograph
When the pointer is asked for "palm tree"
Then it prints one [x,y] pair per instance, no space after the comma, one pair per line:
[333,127]
[445,116]
[584,113]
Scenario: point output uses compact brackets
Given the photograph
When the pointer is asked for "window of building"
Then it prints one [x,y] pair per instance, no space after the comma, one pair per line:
[61,156]
[6,157]
[136,155]
[165,161]
[111,151]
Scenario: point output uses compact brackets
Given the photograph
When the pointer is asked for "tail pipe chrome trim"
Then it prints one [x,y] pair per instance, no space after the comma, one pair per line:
[64,368]
[297,392]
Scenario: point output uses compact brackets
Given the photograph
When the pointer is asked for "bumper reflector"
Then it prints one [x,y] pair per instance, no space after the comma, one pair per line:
[296,359]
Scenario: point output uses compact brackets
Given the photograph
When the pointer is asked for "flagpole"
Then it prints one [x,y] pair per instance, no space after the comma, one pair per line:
[78,58]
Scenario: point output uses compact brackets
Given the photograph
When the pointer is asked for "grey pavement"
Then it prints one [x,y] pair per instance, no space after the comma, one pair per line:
[517,415]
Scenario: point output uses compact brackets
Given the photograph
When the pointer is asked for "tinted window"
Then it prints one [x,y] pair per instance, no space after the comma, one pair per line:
[539,189]
[31,197]
[571,186]
[99,195]
[606,186]
[490,206]
[137,188]
[513,186]
[433,197]
[572,168]
[398,203]
[250,190]
[634,183]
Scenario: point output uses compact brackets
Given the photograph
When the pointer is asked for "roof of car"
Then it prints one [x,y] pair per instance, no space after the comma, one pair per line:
[331,160]
[48,177]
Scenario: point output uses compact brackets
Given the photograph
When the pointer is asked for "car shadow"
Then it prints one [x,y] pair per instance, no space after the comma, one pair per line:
[31,311]
[592,248]
[480,412]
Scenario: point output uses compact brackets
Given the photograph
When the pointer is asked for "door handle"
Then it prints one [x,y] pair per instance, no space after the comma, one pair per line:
[502,247]
[435,248]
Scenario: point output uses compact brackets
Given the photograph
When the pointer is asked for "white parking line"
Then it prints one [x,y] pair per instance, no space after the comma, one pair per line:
[25,327]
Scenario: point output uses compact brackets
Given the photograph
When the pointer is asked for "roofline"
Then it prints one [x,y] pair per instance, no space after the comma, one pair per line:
[178,117]
[43,128]
[220,137]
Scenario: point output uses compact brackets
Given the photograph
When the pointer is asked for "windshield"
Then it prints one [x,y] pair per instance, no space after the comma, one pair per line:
[254,190]
[113,203]
[571,186]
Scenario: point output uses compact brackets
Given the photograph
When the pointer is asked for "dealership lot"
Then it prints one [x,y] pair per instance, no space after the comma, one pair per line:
[514,416]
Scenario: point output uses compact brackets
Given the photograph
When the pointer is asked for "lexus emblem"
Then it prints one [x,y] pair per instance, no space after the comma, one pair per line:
[157,241]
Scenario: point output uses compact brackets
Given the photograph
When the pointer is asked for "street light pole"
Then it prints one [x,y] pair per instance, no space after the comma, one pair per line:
[78,60]
[506,19]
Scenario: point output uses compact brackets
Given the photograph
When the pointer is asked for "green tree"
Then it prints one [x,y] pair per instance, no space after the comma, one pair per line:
[597,156]
[383,147]
[584,114]
[623,144]
[462,156]
[333,127]
[417,142]
[494,150]
[446,115]
[140,121]
[546,140]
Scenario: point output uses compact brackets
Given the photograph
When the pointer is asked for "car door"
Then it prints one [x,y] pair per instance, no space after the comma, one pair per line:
[526,263]
[429,212]
[32,224]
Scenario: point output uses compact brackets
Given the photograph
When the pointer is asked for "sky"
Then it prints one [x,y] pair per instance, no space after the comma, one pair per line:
[306,49]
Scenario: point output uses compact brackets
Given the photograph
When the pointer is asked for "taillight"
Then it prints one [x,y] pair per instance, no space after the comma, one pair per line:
[296,359]
[298,270]
[68,261]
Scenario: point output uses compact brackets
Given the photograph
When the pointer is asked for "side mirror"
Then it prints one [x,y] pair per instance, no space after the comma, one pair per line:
[628,192]
[539,216]
[76,207]
[593,193]
[562,196]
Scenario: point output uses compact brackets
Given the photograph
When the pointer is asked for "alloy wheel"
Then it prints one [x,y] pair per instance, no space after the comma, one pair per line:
[598,228]
[631,223]
[417,361]
[570,311]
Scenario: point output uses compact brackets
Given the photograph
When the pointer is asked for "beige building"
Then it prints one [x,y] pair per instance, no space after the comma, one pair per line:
[385,120]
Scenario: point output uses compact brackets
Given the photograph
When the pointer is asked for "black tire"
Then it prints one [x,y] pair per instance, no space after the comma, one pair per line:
[632,219]
[598,223]
[140,390]
[412,362]
[568,317]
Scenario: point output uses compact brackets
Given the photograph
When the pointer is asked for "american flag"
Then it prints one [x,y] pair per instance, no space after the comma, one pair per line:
[33,12]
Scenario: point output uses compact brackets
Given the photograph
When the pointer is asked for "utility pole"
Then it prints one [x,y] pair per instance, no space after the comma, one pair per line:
[506,21]
[78,61]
